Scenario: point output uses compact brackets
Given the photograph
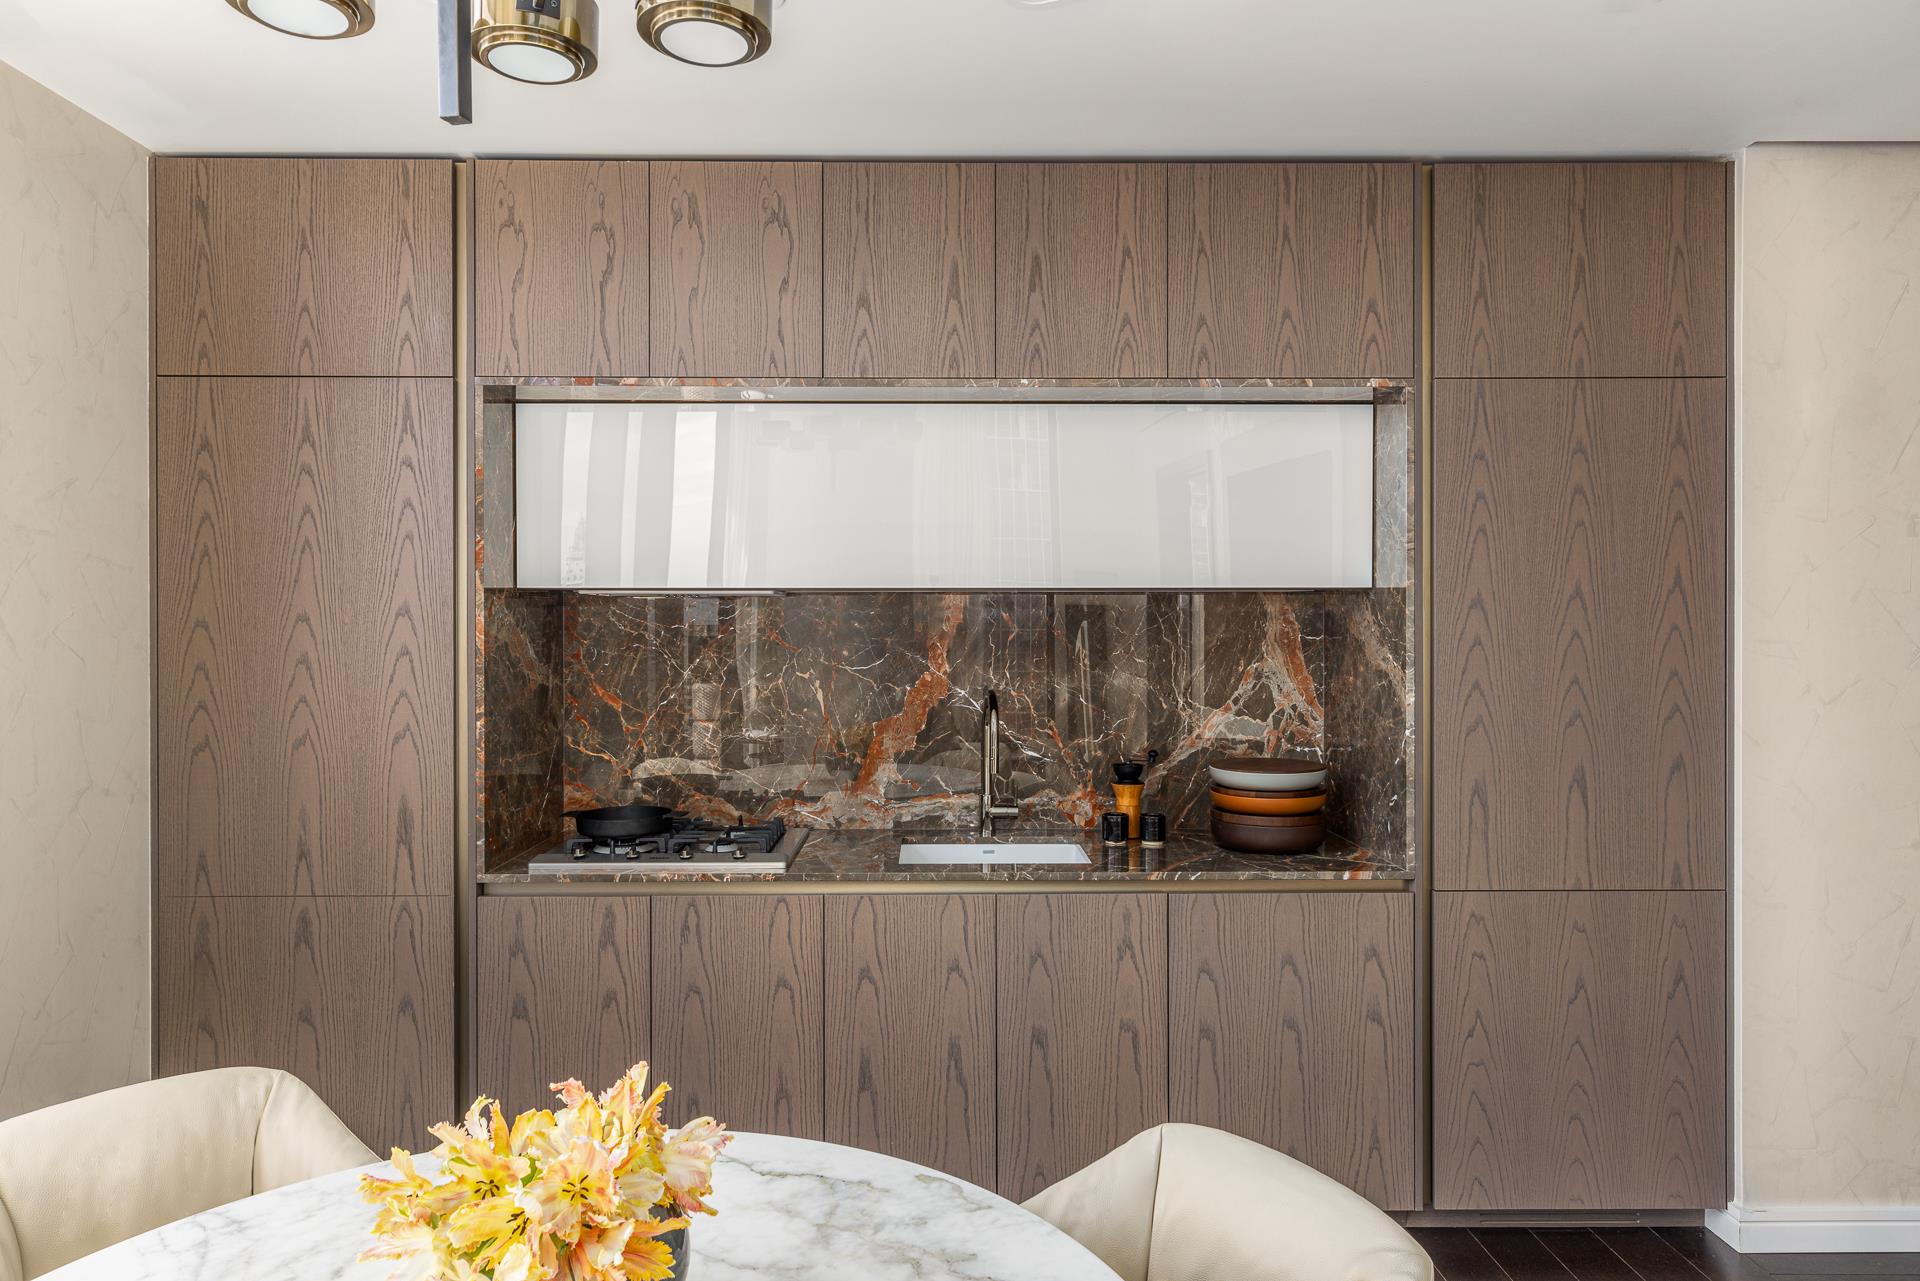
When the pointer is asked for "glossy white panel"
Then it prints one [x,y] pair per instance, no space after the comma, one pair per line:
[840,496]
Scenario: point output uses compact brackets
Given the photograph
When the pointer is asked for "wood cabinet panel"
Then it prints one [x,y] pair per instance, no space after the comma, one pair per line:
[1290,271]
[1292,1023]
[1083,1030]
[304,629]
[1580,270]
[283,266]
[352,995]
[736,1009]
[1082,271]
[561,991]
[1579,1051]
[735,248]
[910,1029]
[1579,675]
[909,270]
[560,268]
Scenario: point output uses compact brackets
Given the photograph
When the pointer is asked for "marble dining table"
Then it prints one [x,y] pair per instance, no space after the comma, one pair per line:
[789,1210]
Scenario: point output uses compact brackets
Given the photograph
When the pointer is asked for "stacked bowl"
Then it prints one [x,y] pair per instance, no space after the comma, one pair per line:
[1269,804]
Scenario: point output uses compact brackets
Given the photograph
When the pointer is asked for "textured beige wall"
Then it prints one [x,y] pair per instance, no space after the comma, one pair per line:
[74,631]
[1829,556]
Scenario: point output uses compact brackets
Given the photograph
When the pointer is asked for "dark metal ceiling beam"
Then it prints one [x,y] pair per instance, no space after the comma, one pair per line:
[456,63]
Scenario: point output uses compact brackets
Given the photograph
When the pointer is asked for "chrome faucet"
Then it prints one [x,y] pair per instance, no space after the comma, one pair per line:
[990,766]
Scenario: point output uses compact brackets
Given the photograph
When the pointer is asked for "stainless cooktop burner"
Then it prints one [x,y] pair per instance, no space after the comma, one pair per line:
[690,847]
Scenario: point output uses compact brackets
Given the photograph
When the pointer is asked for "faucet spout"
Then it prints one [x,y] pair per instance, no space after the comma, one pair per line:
[990,809]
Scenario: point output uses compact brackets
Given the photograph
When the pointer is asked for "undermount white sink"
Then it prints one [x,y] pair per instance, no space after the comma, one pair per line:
[982,852]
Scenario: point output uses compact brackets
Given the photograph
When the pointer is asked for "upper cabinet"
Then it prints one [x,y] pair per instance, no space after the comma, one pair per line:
[560,268]
[303,267]
[1290,271]
[736,269]
[909,255]
[1082,274]
[1580,270]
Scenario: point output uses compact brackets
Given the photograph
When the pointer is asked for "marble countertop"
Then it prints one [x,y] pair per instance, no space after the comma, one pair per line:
[873,857]
[789,1210]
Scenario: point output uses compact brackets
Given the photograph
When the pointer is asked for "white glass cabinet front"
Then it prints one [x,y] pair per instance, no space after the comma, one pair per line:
[863,496]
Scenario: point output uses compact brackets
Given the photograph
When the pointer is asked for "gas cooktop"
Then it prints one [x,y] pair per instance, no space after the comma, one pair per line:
[691,847]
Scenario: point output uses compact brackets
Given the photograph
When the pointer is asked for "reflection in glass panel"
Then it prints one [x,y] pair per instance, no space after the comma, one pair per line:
[797,496]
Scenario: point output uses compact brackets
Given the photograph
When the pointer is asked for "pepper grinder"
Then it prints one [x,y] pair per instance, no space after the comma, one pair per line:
[1129,777]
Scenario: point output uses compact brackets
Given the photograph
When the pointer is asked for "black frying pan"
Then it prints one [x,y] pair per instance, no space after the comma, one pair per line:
[622,820]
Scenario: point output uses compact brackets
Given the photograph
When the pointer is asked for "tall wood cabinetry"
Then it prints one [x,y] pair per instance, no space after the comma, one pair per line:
[304,685]
[1578,697]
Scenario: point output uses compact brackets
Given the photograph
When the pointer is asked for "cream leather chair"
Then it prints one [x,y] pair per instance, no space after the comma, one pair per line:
[1186,1203]
[79,1176]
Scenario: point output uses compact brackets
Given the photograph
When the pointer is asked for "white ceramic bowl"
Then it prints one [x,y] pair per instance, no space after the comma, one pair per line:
[1263,781]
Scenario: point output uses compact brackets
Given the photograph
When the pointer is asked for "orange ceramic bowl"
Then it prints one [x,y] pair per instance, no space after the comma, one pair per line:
[1238,802]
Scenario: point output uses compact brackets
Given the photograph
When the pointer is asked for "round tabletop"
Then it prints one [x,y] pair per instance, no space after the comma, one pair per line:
[789,1209]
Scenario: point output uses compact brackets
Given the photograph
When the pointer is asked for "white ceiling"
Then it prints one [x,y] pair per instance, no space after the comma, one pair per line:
[1014,77]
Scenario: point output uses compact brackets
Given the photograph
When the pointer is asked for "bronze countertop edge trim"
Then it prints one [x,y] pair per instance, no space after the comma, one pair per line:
[523,888]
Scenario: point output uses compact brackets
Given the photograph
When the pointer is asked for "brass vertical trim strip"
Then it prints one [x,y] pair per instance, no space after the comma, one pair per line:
[465,1022]
[153,622]
[1422,700]
[1733,944]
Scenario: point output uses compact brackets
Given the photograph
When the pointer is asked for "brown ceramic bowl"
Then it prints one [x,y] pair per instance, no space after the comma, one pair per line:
[1267,773]
[1234,832]
[1241,802]
[1273,820]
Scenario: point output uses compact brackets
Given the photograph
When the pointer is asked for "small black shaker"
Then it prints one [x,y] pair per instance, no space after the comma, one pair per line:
[1153,829]
[1113,829]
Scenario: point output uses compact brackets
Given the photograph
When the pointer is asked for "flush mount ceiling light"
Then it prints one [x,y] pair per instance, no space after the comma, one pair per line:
[707,33]
[310,19]
[541,42]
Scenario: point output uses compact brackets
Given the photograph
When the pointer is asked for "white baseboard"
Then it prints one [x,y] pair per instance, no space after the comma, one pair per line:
[1818,1229]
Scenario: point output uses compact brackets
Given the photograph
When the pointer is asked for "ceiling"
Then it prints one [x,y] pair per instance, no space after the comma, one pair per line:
[1415,78]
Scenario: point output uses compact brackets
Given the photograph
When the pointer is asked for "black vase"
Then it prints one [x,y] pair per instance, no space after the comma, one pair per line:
[676,1241]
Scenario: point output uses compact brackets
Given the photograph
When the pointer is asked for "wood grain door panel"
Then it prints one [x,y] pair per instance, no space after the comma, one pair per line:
[735,249]
[562,992]
[1579,676]
[1290,271]
[1083,1030]
[560,268]
[1292,1024]
[303,267]
[909,270]
[737,1009]
[1082,274]
[1614,270]
[1579,1051]
[352,995]
[304,660]
[910,1029]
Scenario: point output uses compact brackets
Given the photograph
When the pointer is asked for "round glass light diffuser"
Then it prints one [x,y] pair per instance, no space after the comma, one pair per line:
[710,44]
[707,33]
[551,47]
[310,19]
[532,63]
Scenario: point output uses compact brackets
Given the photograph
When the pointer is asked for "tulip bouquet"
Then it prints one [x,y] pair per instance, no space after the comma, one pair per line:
[583,1194]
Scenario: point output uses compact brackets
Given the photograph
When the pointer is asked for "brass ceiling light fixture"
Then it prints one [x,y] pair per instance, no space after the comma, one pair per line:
[539,42]
[310,19]
[707,33]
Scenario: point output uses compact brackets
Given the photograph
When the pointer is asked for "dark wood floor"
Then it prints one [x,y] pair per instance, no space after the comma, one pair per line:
[1636,1254]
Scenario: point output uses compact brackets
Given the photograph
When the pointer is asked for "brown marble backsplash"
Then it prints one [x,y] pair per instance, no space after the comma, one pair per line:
[863,711]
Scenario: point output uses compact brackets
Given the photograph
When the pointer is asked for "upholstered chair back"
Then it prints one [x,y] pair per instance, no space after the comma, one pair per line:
[1188,1203]
[81,1175]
